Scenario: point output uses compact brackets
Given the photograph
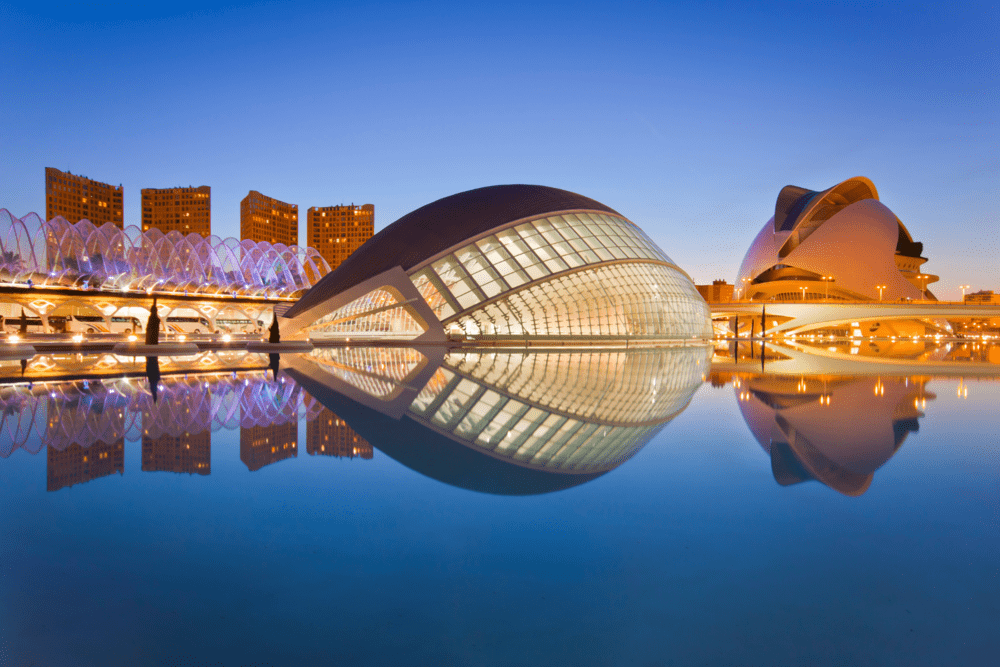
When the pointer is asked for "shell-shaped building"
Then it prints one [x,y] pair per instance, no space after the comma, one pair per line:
[841,243]
[508,261]
[57,253]
[838,430]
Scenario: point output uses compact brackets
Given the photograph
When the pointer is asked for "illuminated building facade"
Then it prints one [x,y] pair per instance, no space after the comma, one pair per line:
[267,219]
[264,445]
[76,464]
[78,198]
[718,292]
[982,296]
[329,435]
[185,209]
[337,231]
[509,261]
[838,244]
[187,452]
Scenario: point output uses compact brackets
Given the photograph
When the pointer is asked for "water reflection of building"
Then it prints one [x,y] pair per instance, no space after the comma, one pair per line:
[269,424]
[263,445]
[187,452]
[77,464]
[835,429]
[502,421]
[81,416]
[329,435]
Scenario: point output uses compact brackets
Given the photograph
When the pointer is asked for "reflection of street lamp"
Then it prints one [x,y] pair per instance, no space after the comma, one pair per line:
[963,288]
[803,292]
[826,285]
[880,288]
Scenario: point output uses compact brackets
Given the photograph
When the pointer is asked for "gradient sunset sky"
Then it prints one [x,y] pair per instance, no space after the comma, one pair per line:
[687,118]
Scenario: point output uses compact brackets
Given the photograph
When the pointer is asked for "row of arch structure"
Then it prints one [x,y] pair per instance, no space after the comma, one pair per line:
[58,253]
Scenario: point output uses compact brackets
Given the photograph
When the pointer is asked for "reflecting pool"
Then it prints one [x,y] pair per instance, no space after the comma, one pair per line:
[741,504]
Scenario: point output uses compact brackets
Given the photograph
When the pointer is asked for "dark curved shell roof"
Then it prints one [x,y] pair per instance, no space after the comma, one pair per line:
[433,228]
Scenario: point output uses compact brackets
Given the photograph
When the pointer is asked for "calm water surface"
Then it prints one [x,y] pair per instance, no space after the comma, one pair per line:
[652,507]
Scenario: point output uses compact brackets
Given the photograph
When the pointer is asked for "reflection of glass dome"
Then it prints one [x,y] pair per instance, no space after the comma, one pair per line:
[514,261]
[838,431]
[844,233]
[88,412]
[58,253]
[505,422]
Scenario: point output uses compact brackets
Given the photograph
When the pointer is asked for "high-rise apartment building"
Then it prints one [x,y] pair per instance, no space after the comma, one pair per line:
[329,435]
[264,445]
[80,198]
[76,464]
[264,218]
[187,452]
[184,209]
[337,231]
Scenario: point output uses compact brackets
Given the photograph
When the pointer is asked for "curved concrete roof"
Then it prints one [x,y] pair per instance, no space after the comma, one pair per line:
[796,204]
[440,225]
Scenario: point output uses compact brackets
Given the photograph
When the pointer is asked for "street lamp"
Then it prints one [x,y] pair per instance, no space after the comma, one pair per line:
[739,293]
[745,281]
[803,292]
[880,288]
[826,285]
[924,278]
[963,288]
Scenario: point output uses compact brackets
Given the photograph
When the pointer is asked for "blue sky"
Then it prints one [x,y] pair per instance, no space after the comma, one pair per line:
[687,118]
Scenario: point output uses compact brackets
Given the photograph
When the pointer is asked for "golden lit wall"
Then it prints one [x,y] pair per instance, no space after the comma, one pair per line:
[337,231]
[264,445]
[329,435]
[184,209]
[264,218]
[77,465]
[78,197]
[187,452]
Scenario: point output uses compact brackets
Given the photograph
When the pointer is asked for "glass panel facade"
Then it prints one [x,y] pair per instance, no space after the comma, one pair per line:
[379,372]
[627,299]
[371,315]
[565,411]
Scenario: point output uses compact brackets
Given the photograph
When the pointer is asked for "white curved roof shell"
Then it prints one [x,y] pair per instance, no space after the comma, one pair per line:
[856,245]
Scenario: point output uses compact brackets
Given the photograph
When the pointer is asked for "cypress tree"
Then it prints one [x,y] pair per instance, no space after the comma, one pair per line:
[153,326]
[274,336]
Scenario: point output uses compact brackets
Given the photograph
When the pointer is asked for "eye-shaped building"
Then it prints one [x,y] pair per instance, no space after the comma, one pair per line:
[841,243]
[508,261]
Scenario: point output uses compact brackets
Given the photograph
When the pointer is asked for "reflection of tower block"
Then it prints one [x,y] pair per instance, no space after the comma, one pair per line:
[190,453]
[329,435]
[76,464]
[264,445]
